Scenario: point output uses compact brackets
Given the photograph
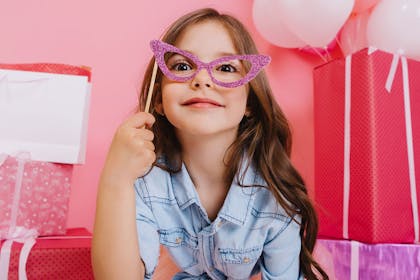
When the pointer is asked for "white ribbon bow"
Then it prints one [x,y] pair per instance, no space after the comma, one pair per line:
[21,235]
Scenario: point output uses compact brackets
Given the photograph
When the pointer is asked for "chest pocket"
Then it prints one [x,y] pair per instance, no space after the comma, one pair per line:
[182,246]
[239,263]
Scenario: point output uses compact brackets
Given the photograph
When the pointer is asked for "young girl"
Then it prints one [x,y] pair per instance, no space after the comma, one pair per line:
[213,181]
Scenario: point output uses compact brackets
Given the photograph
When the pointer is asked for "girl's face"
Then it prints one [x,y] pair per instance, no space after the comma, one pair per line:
[198,106]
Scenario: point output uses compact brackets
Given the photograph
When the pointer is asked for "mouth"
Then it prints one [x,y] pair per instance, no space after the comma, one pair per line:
[201,102]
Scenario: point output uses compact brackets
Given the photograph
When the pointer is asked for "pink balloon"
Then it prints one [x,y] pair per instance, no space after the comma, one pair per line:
[270,25]
[394,26]
[353,34]
[316,22]
[363,5]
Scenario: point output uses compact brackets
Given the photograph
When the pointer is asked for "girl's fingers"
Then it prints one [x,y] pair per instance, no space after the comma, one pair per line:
[144,134]
[142,143]
[140,120]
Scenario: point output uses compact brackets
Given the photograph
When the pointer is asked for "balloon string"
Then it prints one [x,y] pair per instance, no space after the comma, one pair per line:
[318,53]
[328,54]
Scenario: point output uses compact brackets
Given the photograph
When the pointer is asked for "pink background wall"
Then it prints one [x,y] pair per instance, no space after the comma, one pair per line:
[112,37]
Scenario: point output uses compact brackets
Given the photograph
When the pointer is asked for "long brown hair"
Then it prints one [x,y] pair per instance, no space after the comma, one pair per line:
[264,137]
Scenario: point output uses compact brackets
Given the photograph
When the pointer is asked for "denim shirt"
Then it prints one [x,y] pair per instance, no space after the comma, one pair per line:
[250,234]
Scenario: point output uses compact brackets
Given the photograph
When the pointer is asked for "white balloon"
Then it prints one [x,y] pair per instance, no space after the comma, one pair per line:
[268,22]
[316,22]
[394,26]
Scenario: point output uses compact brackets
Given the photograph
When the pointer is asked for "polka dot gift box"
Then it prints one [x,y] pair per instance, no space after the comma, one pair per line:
[55,257]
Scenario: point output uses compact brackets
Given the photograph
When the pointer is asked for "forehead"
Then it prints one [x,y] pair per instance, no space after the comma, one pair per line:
[206,39]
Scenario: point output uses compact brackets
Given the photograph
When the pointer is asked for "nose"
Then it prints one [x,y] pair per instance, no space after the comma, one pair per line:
[202,79]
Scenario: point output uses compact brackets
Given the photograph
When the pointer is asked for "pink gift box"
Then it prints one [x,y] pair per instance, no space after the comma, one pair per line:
[348,260]
[34,195]
[367,152]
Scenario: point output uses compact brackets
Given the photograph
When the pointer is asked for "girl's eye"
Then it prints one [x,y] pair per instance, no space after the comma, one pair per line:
[181,67]
[227,68]
[179,64]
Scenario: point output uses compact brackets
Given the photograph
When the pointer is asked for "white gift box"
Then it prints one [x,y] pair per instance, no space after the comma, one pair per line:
[45,114]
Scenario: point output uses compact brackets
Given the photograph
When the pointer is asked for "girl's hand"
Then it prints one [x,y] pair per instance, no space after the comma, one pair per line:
[115,250]
[131,153]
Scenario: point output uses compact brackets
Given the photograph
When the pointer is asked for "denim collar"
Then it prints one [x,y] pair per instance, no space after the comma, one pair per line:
[239,200]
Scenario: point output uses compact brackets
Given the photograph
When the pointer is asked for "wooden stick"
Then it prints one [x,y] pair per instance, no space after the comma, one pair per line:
[151,87]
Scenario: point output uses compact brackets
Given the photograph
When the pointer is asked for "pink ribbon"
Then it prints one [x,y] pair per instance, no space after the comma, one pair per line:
[16,234]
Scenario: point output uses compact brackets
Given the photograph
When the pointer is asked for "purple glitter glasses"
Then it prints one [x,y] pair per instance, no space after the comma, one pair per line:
[227,71]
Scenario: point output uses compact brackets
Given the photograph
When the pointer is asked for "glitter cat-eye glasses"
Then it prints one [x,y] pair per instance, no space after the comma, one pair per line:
[227,71]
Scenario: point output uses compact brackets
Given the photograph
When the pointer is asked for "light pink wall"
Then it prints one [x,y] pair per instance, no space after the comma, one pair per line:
[112,37]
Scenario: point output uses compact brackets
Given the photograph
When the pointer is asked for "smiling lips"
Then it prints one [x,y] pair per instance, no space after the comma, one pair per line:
[201,103]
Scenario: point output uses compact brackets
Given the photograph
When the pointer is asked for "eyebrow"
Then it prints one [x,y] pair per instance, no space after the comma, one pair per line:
[226,53]
[218,54]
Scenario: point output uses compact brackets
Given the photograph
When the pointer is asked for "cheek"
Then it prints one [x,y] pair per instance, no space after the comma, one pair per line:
[238,100]
[170,101]
[167,98]
[166,104]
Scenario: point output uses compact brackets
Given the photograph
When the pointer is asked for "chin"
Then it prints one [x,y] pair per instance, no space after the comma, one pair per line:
[204,129]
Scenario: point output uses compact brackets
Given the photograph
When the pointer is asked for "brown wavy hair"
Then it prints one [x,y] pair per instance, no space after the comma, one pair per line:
[264,137]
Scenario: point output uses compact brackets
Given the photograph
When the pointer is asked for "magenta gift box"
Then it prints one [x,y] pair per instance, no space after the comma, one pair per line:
[348,260]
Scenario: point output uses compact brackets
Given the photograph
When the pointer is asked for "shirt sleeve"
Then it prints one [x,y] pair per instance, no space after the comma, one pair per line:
[147,233]
[281,253]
